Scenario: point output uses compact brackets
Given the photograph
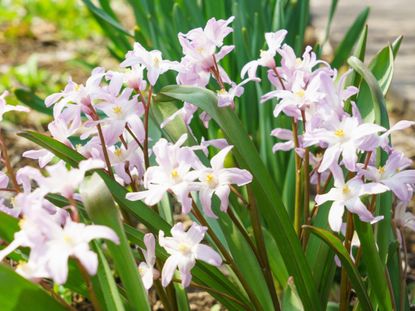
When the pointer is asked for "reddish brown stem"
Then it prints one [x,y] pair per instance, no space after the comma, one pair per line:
[7,163]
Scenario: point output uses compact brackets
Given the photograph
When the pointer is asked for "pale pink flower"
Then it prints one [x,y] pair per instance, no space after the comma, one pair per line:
[151,60]
[267,57]
[199,45]
[4,108]
[393,175]
[72,241]
[127,161]
[171,174]
[42,155]
[146,268]
[76,98]
[184,248]
[218,180]
[342,137]
[299,98]
[4,180]
[347,194]
[226,97]
[65,181]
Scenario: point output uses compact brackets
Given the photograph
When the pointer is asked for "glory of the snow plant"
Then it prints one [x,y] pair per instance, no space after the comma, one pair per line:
[195,208]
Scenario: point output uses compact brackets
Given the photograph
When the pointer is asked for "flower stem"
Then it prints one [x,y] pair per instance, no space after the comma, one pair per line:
[91,292]
[104,150]
[5,156]
[227,257]
[306,177]
[297,200]
[344,284]
[404,270]
[259,237]
[146,116]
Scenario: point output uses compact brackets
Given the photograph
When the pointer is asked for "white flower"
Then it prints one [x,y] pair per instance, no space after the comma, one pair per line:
[184,249]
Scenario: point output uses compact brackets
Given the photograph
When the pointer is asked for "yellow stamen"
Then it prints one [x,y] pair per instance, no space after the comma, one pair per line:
[300,93]
[156,61]
[68,239]
[118,152]
[22,222]
[346,189]
[175,175]
[222,92]
[184,248]
[117,109]
[298,61]
[381,170]
[339,133]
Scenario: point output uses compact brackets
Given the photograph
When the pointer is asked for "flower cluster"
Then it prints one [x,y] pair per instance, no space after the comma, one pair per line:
[106,120]
[336,140]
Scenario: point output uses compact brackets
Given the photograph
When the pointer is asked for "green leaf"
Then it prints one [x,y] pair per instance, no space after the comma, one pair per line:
[267,194]
[104,281]
[345,47]
[31,100]
[17,294]
[9,225]
[347,262]
[103,16]
[102,210]
[375,268]
[372,109]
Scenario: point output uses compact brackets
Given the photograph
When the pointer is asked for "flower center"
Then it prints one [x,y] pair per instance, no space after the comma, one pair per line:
[200,50]
[117,109]
[381,170]
[156,61]
[300,93]
[346,189]
[339,133]
[184,248]
[141,270]
[222,92]
[211,180]
[298,61]
[68,239]
[118,152]
[175,175]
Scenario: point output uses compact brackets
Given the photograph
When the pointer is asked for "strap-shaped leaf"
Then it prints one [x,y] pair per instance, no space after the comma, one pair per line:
[31,100]
[266,193]
[376,270]
[352,272]
[345,47]
[19,294]
[102,210]
[105,17]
